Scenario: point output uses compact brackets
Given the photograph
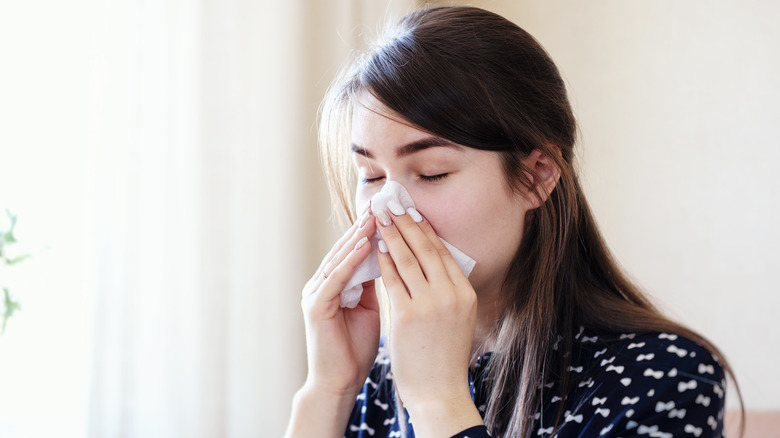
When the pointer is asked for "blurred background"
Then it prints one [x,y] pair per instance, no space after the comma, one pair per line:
[160,157]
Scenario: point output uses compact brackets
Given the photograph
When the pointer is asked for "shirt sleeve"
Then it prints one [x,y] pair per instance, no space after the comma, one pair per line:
[473,432]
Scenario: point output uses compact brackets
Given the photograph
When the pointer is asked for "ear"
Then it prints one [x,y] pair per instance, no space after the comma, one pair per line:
[546,174]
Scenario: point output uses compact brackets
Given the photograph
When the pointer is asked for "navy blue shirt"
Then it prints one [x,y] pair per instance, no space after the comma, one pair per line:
[649,385]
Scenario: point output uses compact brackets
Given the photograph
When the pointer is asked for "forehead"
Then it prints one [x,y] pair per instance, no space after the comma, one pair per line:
[374,125]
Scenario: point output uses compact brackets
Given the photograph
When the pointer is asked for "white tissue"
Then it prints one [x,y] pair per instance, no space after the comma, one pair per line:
[369,269]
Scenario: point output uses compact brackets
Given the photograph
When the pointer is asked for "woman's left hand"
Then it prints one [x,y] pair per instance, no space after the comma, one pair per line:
[432,319]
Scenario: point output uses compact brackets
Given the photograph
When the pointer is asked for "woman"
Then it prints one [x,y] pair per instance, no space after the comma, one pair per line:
[546,336]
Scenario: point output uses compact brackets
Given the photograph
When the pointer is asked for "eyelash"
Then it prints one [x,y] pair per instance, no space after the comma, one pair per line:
[370,180]
[433,178]
[426,178]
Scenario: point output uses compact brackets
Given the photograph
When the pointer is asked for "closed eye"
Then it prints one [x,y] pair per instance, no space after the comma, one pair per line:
[433,178]
[371,180]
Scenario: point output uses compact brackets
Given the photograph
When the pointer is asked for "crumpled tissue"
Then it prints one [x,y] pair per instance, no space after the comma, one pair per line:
[369,268]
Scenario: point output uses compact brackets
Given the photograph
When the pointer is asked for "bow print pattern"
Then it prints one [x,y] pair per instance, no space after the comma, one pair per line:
[629,384]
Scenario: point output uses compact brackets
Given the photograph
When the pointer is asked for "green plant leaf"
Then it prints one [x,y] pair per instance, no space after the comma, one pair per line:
[11,306]
[12,217]
[8,236]
[16,259]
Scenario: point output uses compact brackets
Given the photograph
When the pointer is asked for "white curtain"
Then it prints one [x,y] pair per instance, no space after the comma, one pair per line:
[211,209]
[200,210]
[161,156]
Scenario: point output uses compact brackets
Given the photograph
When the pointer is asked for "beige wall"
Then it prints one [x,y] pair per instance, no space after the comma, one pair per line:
[675,99]
[678,104]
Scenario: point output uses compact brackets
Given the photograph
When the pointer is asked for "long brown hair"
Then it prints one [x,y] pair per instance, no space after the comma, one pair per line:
[477,79]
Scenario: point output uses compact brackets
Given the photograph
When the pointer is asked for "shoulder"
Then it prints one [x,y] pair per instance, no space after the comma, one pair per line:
[643,351]
[656,383]
[656,357]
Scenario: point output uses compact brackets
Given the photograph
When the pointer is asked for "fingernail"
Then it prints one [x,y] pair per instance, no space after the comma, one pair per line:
[383,247]
[384,218]
[414,214]
[361,242]
[395,207]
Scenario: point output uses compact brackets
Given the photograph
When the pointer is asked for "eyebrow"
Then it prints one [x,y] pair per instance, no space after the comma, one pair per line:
[409,148]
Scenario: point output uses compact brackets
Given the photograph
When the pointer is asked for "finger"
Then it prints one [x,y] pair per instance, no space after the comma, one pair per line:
[454,271]
[397,293]
[337,256]
[339,245]
[363,227]
[423,245]
[337,279]
[404,260]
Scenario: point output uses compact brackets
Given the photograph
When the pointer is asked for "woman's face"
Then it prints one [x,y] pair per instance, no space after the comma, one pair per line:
[461,191]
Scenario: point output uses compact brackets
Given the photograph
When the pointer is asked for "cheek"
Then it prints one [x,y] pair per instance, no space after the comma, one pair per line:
[363,194]
[486,227]
[451,215]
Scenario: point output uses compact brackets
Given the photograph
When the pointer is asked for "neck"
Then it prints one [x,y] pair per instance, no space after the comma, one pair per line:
[489,304]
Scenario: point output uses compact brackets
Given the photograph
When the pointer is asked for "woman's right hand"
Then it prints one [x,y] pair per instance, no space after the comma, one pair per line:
[341,343]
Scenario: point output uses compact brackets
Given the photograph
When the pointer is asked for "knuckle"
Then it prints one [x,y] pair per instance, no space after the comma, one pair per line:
[448,303]
[391,233]
[470,300]
[401,319]
[312,285]
[391,284]
[307,304]
[469,304]
[407,261]
[404,317]
[430,251]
